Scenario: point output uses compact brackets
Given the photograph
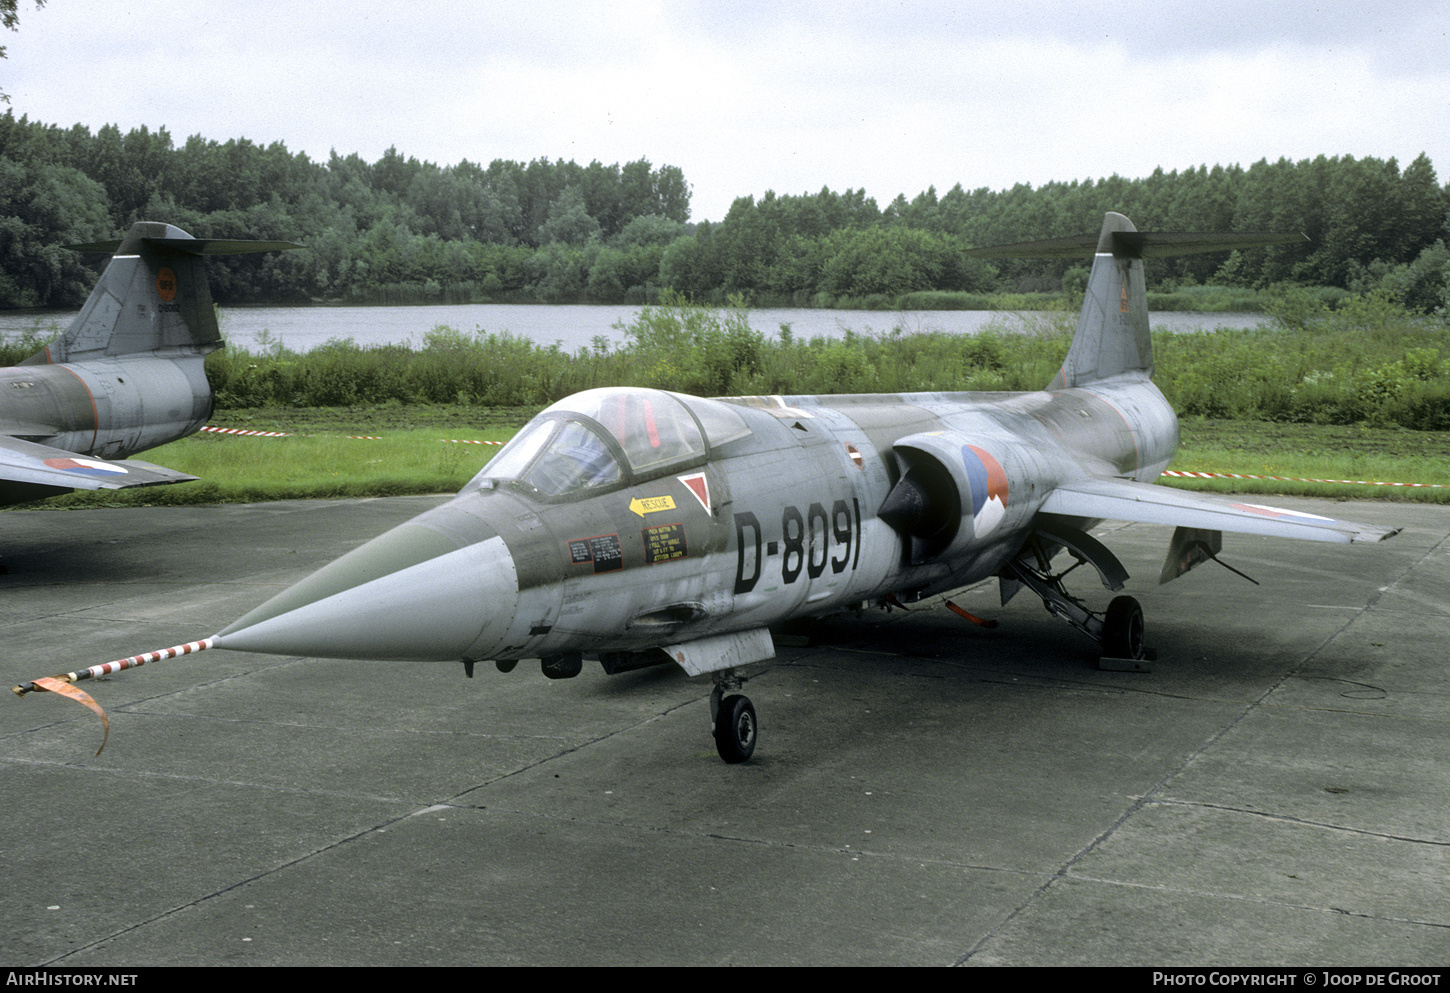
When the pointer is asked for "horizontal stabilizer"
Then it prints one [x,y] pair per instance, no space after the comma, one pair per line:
[41,465]
[1146,503]
[1137,244]
[152,297]
[194,246]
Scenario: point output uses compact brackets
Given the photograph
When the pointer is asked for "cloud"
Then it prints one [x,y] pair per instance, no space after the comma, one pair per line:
[893,97]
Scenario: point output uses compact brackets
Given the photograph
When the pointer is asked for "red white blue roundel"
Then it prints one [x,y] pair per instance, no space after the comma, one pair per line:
[988,485]
[85,467]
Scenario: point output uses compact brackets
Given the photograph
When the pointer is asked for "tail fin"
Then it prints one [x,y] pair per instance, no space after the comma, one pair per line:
[153,297]
[1112,331]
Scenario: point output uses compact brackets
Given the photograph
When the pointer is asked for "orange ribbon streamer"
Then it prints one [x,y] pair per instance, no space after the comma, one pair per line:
[65,689]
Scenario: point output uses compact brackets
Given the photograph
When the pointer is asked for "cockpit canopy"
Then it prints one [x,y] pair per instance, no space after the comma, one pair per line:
[603,438]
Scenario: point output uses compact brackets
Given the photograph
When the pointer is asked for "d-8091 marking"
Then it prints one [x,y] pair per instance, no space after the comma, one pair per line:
[806,542]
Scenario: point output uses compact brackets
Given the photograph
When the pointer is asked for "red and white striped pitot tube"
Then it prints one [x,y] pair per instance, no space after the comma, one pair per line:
[107,668]
[64,685]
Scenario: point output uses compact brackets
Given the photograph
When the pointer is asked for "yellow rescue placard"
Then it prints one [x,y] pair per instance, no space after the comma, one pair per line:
[651,505]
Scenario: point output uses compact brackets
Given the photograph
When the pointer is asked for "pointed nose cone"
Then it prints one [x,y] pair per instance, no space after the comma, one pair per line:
[426,591]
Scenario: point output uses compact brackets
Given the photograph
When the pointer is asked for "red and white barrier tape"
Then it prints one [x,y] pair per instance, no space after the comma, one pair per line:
[350,437]
[1170,472]
[255,434]
[1299,479]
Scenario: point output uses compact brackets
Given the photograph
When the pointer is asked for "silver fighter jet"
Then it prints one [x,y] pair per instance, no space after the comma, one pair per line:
[126,376]
[640,527]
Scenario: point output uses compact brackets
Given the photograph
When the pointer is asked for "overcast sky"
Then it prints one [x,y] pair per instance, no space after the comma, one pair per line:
[746,97]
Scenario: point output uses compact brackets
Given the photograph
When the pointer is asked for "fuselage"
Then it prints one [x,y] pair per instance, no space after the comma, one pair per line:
[624,520]
[108,408]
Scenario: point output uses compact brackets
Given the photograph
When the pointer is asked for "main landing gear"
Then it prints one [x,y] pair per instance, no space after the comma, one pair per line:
[1118,630]
[1122,636]
[733,717]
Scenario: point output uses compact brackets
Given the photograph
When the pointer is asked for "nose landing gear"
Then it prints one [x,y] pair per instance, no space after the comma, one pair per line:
[733,718]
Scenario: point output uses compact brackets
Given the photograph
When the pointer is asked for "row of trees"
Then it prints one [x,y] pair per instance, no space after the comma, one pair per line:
[1356,212]
[400,230]
[373,228]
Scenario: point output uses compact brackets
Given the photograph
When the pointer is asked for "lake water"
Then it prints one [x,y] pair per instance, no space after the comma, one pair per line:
[574,326]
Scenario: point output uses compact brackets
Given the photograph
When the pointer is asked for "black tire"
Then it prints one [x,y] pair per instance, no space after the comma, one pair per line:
[735,729]
[1123,630]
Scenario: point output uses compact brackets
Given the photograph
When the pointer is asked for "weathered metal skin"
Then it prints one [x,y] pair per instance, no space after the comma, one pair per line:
[644,527]
[109,408]
[791,528]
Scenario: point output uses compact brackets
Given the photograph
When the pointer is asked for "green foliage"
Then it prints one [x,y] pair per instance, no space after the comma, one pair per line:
[1294,307]
[1368,361]
[944,300]
[42,207]
[400,230]
[1075,282]
[569,220]
[452,366]
[694,349]
[16,349]
[1422,286]
[396,230]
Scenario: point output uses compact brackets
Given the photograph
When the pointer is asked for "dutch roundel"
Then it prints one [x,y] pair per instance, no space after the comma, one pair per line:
[988,484]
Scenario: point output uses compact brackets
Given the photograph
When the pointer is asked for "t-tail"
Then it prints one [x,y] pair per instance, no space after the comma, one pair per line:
[1112,337]
[152,298]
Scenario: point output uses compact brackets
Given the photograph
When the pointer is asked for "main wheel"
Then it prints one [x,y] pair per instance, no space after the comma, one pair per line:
[1123,629]
[735,729]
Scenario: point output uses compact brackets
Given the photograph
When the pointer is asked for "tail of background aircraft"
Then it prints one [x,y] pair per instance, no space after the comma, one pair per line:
[1112,337]
[153,297]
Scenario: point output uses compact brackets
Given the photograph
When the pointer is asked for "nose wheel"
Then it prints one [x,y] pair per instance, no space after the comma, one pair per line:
[733,716]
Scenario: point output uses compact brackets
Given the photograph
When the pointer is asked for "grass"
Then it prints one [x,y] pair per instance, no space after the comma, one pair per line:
[236,469]
[1314,451]
[412,459]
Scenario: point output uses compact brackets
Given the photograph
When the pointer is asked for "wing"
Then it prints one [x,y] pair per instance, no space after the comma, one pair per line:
[25,462]
[1126,500]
